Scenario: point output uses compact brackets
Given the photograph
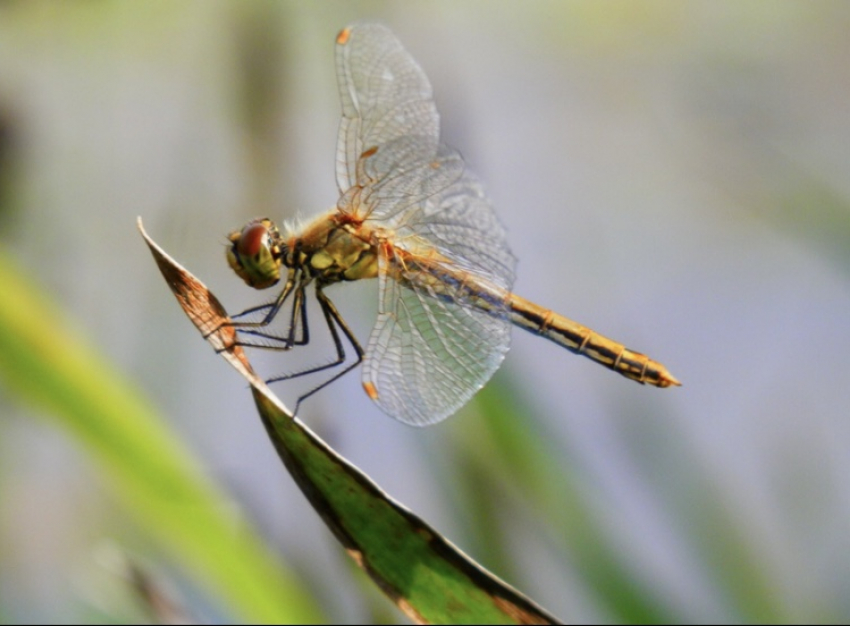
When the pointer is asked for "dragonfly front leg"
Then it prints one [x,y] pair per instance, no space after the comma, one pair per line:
[274,309]
[297,320]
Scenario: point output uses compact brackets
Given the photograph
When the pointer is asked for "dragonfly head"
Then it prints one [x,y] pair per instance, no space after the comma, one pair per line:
[256,253]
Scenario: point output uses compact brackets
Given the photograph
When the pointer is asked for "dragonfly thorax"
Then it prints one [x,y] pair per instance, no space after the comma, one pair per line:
[335,249]
[328,249]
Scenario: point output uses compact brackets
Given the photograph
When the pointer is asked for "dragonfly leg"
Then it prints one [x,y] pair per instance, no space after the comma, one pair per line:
[273,310]
[297,320]
[334,322]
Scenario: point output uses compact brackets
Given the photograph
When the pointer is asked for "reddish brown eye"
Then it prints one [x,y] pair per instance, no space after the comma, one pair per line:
[255,253]
[252,240]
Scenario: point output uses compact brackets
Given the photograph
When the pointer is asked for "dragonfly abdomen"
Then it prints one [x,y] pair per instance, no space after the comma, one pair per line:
[582,340]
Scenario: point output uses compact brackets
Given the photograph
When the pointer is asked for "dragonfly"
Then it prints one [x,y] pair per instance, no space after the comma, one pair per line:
[412,216]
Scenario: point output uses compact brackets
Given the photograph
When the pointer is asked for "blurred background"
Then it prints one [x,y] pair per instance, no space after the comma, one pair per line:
[675,175]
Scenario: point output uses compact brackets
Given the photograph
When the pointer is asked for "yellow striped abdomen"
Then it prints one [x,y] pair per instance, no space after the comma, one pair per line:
[582,340]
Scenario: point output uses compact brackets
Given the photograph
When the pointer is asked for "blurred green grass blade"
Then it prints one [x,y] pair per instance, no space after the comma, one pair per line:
[429,579]
[512,450]
[44,363]
[740,571]
[508,448]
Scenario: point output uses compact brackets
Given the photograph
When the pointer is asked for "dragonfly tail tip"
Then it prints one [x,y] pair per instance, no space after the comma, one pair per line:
[670,380]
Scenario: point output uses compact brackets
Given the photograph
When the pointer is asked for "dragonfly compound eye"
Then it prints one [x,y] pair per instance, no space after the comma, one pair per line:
[254,253]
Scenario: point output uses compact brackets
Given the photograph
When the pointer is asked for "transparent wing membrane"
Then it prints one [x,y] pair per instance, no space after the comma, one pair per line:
[430,350]
[401,176]
[385,95]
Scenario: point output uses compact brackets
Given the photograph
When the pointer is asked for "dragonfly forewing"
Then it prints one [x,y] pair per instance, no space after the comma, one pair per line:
[385,95]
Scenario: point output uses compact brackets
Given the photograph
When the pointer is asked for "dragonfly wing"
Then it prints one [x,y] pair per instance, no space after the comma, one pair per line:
[385,96]
[459,223]
[434,345]
[427,356]
[401,175]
